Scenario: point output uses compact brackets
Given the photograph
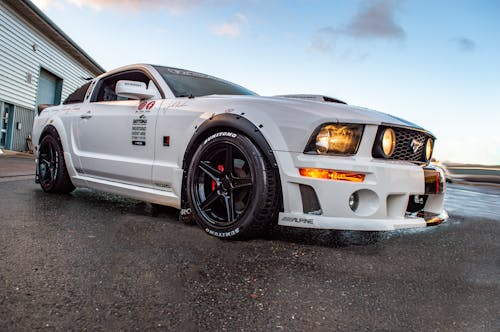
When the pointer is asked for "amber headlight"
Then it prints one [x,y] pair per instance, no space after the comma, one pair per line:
[388,142]
[340,139]
[385,143]
[429,146]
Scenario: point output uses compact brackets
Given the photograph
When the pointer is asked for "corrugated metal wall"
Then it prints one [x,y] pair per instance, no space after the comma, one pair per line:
[20,64]
[24,116]
[18,60]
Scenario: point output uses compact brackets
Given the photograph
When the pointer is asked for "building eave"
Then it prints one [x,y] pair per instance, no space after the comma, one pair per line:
[31,13]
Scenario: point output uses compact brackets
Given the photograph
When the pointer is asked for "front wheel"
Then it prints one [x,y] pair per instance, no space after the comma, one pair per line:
[232,189]
[52,172]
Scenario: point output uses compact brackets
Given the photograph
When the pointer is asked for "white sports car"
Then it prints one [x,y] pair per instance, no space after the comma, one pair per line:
[236,162]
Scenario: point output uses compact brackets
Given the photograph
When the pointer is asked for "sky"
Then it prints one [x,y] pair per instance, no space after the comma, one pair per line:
[435,63]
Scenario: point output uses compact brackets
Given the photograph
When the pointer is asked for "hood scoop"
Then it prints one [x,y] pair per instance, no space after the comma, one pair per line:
[320,98]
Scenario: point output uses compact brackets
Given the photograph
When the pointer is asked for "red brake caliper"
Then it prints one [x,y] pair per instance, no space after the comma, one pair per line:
[221,169]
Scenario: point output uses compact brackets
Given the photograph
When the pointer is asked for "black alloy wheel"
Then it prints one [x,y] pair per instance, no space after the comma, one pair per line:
[48,163]
[223,182]
[231,187]
[52,172]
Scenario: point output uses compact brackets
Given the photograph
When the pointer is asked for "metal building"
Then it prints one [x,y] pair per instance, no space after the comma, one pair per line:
[39,64]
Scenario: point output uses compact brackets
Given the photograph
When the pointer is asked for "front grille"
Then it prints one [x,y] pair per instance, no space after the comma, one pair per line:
[403,149]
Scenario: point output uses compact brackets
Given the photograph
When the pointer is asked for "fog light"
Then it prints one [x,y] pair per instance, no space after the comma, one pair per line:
[364,202]
[388,142]
[354,201]
[429,145]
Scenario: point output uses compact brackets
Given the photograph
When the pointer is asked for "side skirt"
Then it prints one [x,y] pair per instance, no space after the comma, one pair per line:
[150,195]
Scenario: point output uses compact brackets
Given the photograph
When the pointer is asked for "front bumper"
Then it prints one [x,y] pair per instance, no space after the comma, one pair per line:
[393,195]
[356,224]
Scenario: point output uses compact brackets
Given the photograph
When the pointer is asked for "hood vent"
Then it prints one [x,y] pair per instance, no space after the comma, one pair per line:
[315,98]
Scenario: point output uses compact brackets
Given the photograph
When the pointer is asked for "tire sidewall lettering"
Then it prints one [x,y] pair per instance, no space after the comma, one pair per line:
[220,134]
[223,234]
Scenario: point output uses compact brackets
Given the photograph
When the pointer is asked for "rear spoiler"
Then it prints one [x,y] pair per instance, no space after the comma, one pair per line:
[41,107]
[315,98]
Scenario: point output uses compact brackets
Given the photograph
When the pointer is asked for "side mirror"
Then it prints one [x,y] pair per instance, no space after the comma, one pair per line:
[133,90]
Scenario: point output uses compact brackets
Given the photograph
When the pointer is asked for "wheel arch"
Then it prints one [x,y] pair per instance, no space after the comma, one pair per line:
[47,130]
[58,129]
[54,123]
[224,122]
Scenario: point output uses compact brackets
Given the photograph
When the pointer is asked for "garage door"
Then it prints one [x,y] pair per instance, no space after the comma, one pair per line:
[49,88]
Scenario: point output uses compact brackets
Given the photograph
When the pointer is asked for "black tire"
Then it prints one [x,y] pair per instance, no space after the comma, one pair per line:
[52,172]
[232,188]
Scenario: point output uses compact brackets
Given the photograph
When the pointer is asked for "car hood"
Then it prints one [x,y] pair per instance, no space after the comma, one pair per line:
[315,111]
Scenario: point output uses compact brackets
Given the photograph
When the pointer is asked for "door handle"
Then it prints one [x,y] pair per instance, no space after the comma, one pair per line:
[86,115]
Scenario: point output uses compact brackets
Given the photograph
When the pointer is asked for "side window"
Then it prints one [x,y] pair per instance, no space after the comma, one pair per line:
[78,95]
[105,90]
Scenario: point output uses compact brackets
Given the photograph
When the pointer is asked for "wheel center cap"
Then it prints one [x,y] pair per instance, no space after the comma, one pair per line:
[43,170]
[226,183]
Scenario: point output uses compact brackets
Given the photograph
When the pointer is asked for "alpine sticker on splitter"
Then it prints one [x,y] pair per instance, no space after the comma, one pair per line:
[298,220]
[139,129]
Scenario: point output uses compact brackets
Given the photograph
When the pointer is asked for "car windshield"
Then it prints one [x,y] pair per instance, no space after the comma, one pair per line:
[184,83]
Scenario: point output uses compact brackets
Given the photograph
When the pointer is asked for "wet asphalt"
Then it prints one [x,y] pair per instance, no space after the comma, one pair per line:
[100,262]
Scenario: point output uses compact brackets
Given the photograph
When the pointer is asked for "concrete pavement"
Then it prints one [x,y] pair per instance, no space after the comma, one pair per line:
[16,164]
[93,261]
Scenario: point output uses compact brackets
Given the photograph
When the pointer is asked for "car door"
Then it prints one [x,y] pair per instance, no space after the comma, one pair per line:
[69,114]
[115,139]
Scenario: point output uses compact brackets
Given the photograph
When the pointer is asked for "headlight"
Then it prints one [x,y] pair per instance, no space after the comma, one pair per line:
[341,139]
[385,143]
[388,142]
[429,146]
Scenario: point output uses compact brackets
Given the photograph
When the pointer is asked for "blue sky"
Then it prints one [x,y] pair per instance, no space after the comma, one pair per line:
[435,63]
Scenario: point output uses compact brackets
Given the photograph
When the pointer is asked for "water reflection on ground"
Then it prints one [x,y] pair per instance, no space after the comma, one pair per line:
[473,201]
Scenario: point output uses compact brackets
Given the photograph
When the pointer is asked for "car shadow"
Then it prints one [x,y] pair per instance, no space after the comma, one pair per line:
[324,238]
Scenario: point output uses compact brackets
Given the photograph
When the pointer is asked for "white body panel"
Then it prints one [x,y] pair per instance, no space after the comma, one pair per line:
[103,142]
[98,140]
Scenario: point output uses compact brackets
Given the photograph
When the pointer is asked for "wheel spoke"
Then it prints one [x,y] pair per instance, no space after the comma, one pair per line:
[209,170]
[212,197]
[51,154]
[43,159]
[53,173]
[239,183]
[229,202]
[228,162]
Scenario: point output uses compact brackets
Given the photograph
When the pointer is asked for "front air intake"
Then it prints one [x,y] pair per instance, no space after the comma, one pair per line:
[310,202]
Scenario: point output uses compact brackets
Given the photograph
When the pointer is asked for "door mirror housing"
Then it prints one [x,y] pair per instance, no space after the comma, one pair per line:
[134,90]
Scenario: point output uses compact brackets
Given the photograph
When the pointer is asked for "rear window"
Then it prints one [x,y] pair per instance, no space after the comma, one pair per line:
[78,96]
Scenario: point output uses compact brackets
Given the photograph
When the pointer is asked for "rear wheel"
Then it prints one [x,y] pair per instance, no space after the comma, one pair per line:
[52,172]
[232,189]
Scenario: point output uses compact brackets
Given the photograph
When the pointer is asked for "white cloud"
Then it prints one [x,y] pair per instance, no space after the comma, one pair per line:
[231,28]
[45,4]
[174,6]
[42,4]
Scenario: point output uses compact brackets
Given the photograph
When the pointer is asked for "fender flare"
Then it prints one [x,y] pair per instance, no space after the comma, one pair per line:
[225,121]
[46,131]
